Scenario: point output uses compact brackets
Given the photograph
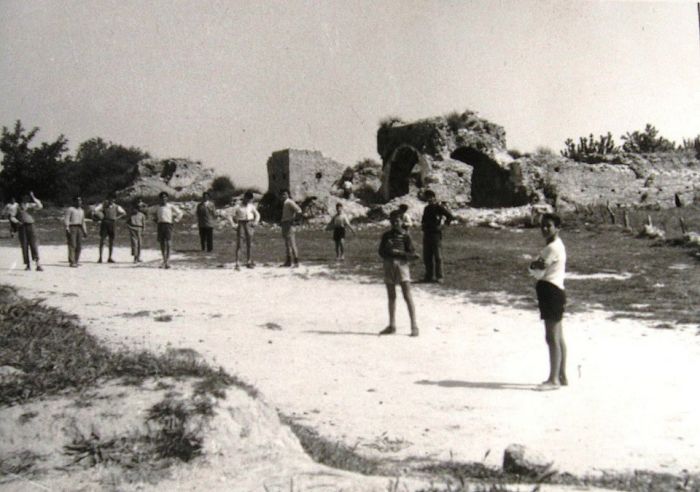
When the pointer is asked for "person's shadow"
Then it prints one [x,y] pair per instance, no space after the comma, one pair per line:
[324,332]
[450,383]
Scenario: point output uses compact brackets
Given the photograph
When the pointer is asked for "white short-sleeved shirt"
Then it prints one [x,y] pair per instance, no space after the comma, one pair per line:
[246,212]
[166,214]
[554,257]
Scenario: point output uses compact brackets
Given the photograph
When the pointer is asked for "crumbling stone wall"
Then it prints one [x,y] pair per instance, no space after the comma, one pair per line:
[305,173]
[625,179]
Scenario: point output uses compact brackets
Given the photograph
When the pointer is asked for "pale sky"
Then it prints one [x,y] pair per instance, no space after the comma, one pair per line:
[229,82]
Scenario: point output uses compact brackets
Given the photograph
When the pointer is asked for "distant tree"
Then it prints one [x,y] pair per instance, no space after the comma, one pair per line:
[104,167]
[647,141]
[222,190]
[26,168]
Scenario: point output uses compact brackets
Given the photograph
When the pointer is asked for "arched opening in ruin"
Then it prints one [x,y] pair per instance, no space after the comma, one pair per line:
[404,169]
[492,185]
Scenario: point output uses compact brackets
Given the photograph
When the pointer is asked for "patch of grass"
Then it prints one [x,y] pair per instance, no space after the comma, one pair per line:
[174,437]
[56,353]
[331,453]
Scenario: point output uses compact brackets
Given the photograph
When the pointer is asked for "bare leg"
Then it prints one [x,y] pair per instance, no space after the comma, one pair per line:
[391,295]
[342,249]
[111,247]
[406,291]
[102,243]
[248,243]
[238,242]
[554,339]
[563,380]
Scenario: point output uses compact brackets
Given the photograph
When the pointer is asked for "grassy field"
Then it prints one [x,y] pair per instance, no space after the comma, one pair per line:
[663,278]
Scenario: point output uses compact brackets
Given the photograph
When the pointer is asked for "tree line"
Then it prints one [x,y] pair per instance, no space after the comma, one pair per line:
[97,170]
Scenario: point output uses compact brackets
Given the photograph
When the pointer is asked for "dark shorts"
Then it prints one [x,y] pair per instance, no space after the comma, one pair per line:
[107,229]
[551,300]
[338,233]
[165,231]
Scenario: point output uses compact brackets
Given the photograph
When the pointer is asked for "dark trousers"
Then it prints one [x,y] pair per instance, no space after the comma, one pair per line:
[206,238]
[74,236]
[432,255]
[27,239]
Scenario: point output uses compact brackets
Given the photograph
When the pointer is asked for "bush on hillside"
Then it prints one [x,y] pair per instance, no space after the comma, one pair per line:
[647,141]
[590,149]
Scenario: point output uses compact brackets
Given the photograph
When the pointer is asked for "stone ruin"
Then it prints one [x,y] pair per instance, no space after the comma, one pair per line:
[177,177]
[463,158]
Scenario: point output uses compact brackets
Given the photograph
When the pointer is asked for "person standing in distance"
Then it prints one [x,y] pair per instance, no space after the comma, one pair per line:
[74,220]
[290,212]
[206,220]
[433,215]
[166,214]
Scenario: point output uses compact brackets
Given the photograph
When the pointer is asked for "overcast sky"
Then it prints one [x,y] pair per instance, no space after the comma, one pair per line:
[229,82]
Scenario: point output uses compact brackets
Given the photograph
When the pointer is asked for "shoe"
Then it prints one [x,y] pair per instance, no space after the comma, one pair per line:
[438,280]
[99,261]
[389,330]
[167,266]
[111,261]
[425,280]
[286,264]
[237,267]
[39,269]
[295,265]
[27,267]
[414,332]
[73,265]
[250,265]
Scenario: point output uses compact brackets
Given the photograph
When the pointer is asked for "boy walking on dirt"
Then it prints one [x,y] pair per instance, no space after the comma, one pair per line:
[550,268]
[433,214]
[25,230]
[396,249]
[338,224]
[74,220]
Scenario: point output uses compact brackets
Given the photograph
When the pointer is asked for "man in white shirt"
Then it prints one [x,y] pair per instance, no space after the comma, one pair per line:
[74,220]
[166,214]
[246,215]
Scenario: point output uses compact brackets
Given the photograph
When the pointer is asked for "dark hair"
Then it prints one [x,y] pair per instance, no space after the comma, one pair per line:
[395,215]
[285,190]
[338,205]
[429,194]
[163,194]
[553,218]
[403,207]
[248,195]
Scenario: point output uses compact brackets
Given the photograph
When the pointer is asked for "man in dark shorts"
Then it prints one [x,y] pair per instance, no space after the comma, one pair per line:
[108,212]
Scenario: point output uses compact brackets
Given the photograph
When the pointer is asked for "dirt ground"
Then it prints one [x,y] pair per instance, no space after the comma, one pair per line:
[463,391]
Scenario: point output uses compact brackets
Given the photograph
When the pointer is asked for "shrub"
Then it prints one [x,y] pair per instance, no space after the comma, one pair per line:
[692,144]
[222,190]
[590,149]
[648,141]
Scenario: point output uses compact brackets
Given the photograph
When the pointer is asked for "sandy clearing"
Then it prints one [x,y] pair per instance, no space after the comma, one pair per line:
[464,387]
